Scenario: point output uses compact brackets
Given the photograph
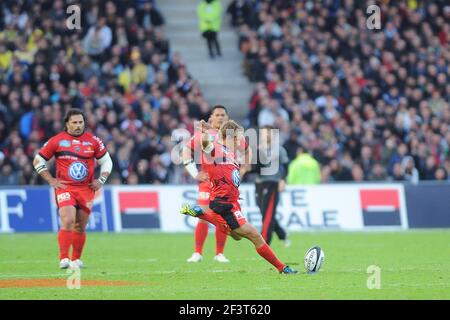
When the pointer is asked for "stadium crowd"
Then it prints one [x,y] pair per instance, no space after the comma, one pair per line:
[368,104]
[117,68]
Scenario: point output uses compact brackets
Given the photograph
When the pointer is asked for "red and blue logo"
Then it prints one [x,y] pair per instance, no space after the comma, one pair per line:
[380,207]
[139,209]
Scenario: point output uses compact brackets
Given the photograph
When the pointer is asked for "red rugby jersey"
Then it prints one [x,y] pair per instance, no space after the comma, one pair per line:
[75,156]
[223,171]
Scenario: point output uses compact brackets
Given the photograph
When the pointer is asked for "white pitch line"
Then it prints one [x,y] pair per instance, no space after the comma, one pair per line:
[20,261]
[140,260]
[31,276]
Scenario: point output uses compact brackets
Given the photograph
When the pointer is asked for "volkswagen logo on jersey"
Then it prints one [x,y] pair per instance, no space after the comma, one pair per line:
[235,176]
[78,171]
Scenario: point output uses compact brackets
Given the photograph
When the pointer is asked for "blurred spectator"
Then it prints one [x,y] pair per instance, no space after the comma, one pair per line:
[270,113]
[339,172]
[430,168]
[8,176]
[209,14]
[292,144]
[149,16]
[410,173]
[357,173]
[378,173]
[441,174]
[397,172]
[240,12]
[303,170]
[98,39]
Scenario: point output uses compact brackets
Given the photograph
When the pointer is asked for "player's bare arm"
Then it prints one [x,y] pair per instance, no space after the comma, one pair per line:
[190,166]
[40,165]
[106,164]
[187,157]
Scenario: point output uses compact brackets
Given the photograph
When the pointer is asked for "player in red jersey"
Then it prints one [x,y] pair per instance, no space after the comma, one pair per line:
[224,173]
[192,155]
[76,152]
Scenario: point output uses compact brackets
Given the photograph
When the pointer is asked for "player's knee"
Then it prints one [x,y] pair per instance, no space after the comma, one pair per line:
[67,223]
[79,227]
[235,236]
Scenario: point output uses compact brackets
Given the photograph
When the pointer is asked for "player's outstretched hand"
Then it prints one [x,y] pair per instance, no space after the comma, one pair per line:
[202,176]
[203,126]
[55,183]
[95,185]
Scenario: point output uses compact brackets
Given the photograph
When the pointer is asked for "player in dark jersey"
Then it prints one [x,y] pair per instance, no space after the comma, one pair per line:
[223,170]
[76,152]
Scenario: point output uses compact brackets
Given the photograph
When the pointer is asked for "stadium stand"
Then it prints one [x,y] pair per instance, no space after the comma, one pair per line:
[369,104]
[117,67]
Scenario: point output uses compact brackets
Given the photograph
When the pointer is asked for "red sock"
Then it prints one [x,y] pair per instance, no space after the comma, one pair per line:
[221,238]
[78,240]
[201,232]
[64,241]
[266,252]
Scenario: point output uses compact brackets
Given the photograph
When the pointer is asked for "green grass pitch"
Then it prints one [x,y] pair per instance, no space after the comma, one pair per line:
[413,265]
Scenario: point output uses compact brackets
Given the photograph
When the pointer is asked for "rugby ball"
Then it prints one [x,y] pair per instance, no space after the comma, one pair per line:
[314,259]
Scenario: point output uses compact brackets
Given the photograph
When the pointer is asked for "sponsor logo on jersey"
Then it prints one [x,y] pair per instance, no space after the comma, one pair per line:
[63,197]
[64,143]
[203,195]
[100,143]
[86,143]
[238,215]
[88,150]
[77,149]
[78,171]
[74,141]
[236,178]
